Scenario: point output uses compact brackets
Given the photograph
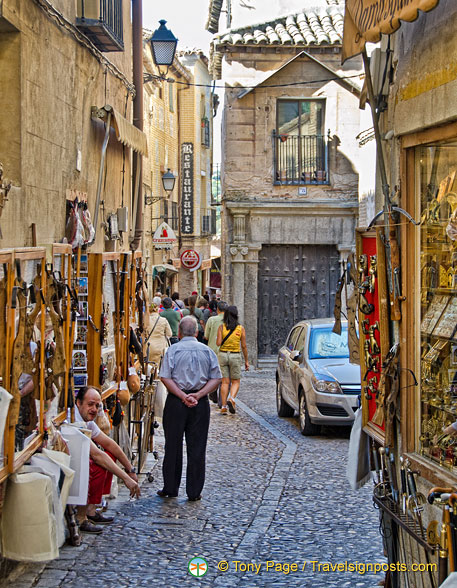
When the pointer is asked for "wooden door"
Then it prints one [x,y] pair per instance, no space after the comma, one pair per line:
[295,282]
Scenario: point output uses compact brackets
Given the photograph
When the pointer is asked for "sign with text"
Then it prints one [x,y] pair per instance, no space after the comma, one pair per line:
[366,20]
[191,259]
[187,200]
[164,237]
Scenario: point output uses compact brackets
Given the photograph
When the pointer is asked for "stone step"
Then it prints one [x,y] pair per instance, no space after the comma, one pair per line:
[267,361]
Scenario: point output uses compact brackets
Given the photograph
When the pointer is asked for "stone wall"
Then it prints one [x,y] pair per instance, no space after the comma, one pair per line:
[45,120]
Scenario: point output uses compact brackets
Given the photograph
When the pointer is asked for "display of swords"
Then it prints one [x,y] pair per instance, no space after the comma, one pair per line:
[401,506]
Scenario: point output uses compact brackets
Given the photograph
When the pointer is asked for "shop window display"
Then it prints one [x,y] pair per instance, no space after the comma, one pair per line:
[436,187]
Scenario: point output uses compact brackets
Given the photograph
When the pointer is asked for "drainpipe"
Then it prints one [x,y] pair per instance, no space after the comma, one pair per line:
[137,171]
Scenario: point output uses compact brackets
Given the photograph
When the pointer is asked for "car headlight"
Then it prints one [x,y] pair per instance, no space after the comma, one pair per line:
[326,384]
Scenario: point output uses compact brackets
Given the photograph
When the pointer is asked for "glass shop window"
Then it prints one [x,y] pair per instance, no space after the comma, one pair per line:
[436,188]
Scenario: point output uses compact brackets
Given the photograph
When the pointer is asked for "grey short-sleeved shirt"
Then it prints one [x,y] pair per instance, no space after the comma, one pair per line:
[190,364]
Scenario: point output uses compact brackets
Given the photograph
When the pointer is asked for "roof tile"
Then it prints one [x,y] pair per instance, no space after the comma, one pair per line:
[321,24]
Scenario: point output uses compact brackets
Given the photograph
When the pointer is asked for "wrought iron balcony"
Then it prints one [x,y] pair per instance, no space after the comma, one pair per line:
[101,22]
[300,159]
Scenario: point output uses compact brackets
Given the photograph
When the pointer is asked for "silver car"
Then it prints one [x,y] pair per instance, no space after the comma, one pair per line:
[314,376]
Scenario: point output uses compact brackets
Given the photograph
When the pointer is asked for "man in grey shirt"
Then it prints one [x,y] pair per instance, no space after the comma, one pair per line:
[190,370]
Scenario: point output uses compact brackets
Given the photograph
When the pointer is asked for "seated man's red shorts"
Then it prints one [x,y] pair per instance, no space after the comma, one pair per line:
[99,481]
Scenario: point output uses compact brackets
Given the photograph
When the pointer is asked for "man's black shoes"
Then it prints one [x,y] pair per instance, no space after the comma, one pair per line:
[164,494]
[195,498]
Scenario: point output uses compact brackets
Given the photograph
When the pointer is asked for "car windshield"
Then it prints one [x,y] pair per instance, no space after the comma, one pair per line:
[324,343]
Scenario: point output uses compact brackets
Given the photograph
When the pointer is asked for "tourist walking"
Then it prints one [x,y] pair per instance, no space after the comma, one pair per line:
[231,338]
[176,301]
[198,314]
[173,317]
[158,335]
[213,324]
[189,371]
[211,328]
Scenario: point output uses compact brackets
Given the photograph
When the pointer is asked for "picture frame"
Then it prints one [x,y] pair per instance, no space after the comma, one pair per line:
[84,263]
[81,333]
[79,359]
[80,380]
[83,286]
[83,311]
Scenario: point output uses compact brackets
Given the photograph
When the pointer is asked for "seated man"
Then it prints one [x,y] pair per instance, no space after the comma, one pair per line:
[102,463]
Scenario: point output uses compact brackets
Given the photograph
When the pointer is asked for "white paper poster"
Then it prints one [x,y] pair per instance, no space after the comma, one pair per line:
[79,446]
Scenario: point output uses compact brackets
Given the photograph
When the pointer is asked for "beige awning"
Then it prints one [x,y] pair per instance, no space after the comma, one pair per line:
[366,20]
[126,132]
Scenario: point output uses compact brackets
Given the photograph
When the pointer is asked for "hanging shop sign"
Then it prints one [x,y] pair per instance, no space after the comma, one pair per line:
[164,237]
[187,178]
[191,259]
[206,264]
[366,20]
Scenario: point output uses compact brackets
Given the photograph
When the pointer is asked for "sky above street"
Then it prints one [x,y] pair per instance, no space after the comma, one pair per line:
[187,18]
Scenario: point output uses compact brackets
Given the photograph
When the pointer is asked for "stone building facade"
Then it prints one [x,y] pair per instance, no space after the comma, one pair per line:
[52,74]
[161,125]
[178,123]
[290,181]
[196,130]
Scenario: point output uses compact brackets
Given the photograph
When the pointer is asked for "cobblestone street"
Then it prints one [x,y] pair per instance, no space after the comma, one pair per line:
[271,495]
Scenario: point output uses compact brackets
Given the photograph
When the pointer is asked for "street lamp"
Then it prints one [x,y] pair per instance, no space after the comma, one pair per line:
[163,45]
[168,181]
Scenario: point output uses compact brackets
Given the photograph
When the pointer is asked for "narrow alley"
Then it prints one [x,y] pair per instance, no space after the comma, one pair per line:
[271,495]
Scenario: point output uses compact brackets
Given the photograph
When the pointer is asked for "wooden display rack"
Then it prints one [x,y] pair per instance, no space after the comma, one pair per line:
[117,264]
[8,258]
[65,253]
[14,461]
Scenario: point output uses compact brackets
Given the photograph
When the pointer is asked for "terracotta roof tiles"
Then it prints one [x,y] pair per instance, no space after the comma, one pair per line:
[321,23]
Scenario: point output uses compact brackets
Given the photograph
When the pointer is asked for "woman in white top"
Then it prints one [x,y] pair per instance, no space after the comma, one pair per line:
[158,334]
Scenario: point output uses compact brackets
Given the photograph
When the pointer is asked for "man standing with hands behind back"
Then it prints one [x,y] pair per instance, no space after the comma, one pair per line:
[190,370]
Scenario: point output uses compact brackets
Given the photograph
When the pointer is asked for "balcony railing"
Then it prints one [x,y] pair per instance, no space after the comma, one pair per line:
[300,159]
[101,22]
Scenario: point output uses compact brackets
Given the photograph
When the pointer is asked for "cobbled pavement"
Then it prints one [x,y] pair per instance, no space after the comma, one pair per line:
[271,495]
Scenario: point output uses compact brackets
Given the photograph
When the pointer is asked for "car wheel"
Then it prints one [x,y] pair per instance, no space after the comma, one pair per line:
[284,410]
[307,428]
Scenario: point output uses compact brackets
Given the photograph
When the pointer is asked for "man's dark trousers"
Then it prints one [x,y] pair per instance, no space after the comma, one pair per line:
[180,420]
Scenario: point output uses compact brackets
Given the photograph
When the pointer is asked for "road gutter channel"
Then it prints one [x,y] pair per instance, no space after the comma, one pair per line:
[270,499]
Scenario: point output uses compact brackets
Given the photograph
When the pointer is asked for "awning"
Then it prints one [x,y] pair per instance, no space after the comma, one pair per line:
[126,132]
[215,252]
[366,20]
[162,268]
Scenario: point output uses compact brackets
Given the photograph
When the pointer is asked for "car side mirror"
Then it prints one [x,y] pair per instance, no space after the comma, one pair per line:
[296,356]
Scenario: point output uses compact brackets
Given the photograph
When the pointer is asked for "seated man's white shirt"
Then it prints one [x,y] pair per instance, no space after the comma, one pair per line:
[91,425]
